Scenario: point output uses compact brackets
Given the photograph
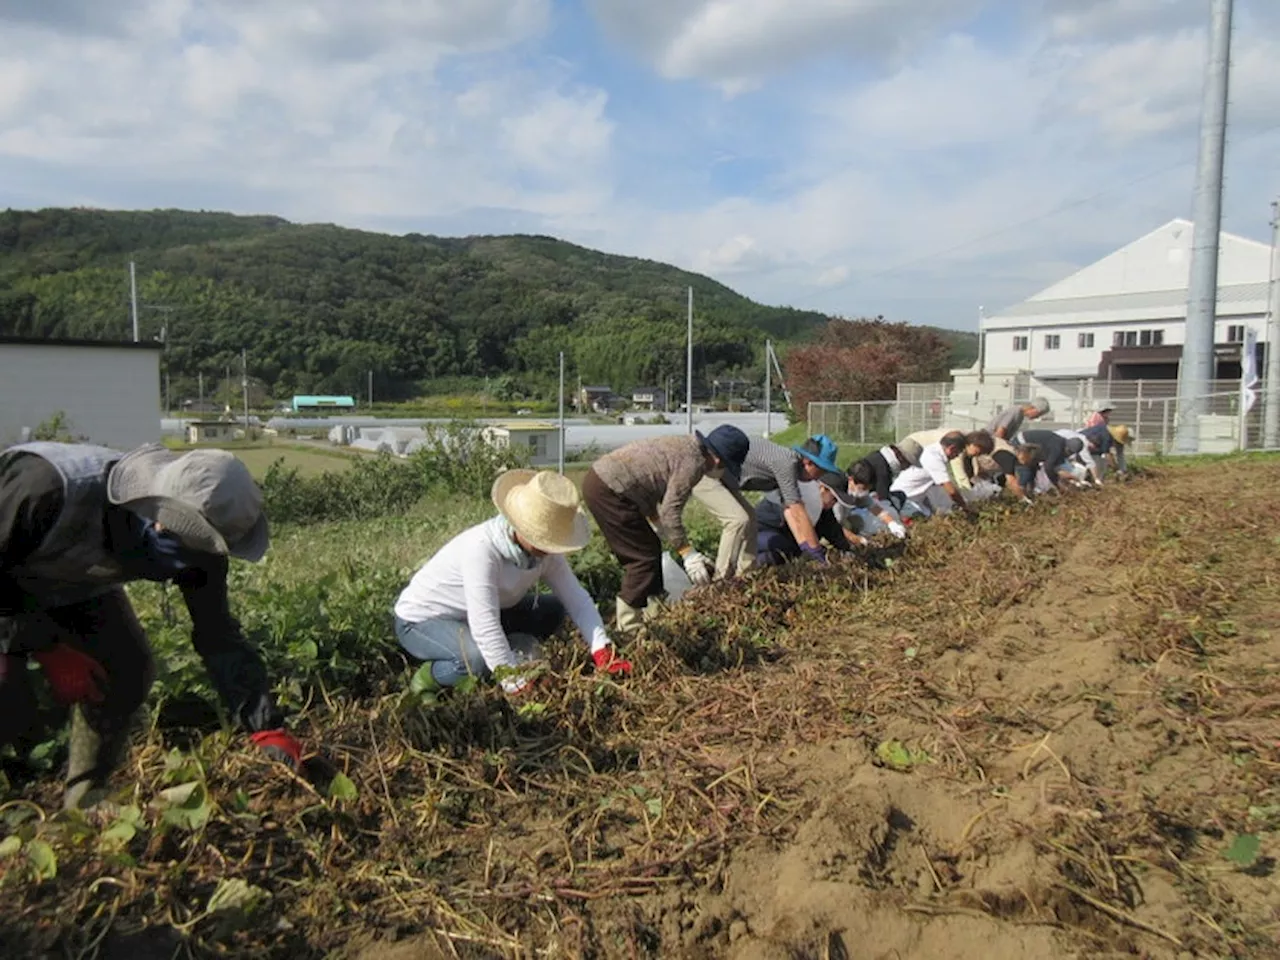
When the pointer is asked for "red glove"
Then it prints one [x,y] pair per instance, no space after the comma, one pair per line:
[74,675]
[608,661]
[280,745]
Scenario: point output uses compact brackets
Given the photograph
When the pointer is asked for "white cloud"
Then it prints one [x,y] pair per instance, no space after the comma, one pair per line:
[334,109]
[735,43]
[891,158]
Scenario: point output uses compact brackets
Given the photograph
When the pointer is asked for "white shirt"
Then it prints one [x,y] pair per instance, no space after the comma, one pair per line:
[471,579]
[934,469]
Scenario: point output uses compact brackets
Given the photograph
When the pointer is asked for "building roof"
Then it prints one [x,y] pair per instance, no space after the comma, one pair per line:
[636,390]
[322,401]
[517,426]
[597,389]
[1151,273]
[6,340]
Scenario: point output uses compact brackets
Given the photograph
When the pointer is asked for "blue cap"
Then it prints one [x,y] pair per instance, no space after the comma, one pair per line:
[821,450]
[729,444]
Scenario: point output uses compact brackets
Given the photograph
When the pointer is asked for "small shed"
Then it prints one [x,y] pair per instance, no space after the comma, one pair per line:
[211,431]
[539,440]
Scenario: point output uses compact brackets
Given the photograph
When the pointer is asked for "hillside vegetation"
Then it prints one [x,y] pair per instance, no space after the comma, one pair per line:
[318,306]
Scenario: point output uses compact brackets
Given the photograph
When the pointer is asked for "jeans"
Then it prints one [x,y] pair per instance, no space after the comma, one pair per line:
[452,652]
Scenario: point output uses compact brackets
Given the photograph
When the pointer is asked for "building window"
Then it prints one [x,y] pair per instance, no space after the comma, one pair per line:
[1117,338]
[1084,341]
[1235,333]
[1020,344]
[1151,338]
[1144,338]
[1157,338]
[1052,341]
[1131,338]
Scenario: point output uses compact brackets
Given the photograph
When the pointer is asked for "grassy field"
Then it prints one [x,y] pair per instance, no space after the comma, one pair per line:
[1052,733]
[309,459]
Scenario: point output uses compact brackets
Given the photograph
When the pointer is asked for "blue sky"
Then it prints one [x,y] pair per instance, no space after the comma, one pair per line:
[854,156]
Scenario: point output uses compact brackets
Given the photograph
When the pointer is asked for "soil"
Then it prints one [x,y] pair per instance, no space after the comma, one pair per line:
[1034,736]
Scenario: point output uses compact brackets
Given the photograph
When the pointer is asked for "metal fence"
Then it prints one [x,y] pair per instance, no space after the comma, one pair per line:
[1150,408]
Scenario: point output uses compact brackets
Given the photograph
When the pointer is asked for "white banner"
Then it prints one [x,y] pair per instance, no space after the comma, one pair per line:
[1249,369]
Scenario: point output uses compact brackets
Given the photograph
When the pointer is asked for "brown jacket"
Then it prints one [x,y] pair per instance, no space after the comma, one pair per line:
[658,476]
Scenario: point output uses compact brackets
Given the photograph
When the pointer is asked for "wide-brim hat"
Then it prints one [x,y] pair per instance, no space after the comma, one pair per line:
[206,498]
[544,507]
[730,445]
[1120,434]
[823,457]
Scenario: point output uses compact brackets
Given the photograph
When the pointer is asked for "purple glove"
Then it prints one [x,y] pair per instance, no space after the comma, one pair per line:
[817,553]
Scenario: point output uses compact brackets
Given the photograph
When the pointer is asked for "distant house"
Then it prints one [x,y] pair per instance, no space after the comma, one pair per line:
[539,439]
[211,431]
[649,398]
[202,407]
[307,403]
[595,398]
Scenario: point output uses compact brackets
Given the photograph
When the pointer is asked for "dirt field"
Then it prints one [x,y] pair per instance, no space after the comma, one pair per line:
[1053,734]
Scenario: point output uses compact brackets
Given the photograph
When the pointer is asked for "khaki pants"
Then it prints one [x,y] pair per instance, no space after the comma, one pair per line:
[737,553]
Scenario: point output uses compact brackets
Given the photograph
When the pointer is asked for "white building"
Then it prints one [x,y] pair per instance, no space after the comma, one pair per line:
[540,440]
[1124,317]
[108,393]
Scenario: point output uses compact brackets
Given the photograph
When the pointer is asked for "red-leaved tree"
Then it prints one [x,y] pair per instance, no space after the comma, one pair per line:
[864,360]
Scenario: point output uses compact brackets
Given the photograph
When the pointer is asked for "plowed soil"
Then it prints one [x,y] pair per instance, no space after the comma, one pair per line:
[1054,733]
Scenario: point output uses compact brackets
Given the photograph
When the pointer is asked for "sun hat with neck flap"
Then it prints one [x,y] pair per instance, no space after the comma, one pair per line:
[544,507]
[205,498]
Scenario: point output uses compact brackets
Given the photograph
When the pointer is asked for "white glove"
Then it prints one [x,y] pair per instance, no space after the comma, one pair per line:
[698,567]
[897,529]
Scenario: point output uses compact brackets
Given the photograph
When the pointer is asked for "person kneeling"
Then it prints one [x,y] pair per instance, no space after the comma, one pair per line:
[776,544]
[471,609]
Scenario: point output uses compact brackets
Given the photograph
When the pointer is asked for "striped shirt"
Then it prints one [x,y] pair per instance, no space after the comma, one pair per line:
[771,466]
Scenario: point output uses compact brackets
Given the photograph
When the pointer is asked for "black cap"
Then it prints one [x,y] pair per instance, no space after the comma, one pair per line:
[838,483]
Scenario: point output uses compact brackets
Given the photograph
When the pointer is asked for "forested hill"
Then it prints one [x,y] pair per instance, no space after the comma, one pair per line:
[318,306]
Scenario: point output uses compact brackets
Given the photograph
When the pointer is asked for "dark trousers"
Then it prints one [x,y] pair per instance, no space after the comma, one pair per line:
[775,546]
[626,529]
[105,628]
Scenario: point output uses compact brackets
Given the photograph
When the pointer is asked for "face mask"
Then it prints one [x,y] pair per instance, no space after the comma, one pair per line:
[716,473]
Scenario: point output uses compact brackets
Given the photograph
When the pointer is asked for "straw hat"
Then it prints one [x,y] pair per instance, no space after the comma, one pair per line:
[545,509]
[1120,434]
[206,498]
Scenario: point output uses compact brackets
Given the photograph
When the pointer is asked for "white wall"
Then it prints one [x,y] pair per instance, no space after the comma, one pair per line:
[110,395]
[1071,360]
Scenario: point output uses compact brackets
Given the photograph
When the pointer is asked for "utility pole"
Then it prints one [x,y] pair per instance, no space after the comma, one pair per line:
[244,364]
[768,389]
[229,393]
[1196,370]
[688,384]
[133,298]
[561,418]
[1271,422]
[200,388]
[371,388]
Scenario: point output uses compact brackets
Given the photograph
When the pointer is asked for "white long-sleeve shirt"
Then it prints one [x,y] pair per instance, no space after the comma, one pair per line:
[471,578]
